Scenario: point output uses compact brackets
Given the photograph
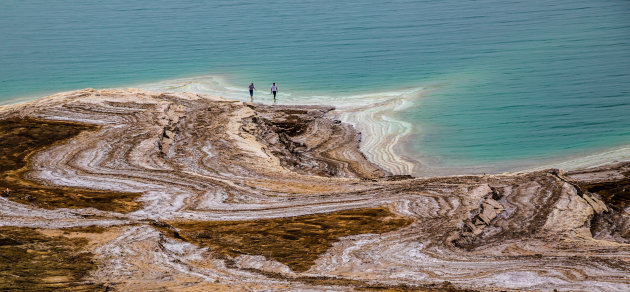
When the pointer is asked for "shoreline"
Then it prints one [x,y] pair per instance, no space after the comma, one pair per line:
[188,190]
[376,109]
[386,139]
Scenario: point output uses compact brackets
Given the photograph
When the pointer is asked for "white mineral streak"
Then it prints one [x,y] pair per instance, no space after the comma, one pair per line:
[529,230]
[373,114]
[380,131]
[143,257]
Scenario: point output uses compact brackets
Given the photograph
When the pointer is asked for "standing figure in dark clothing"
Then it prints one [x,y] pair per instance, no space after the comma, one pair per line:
[251,91]
[274,90]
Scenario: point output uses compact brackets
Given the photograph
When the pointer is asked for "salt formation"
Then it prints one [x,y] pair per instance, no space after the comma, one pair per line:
[197,180]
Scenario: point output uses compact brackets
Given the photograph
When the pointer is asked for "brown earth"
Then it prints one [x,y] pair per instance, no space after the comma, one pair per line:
[32,261]
[19,139]
[294,241]
[234,196]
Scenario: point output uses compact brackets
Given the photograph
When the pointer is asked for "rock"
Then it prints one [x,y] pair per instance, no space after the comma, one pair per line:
[494,203]
[488,214]
[569,212]
[476,230]
[598,206]
[166,144]
[169,134]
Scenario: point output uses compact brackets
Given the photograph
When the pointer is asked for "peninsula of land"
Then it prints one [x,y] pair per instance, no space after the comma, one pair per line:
[138,190]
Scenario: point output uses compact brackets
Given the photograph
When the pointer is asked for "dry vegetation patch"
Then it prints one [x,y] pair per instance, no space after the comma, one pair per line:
[19,140]
[32,261]
[293,241]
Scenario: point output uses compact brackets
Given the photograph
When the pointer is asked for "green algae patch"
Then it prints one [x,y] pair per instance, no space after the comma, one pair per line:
[20,139]
[294,241]
[32,261]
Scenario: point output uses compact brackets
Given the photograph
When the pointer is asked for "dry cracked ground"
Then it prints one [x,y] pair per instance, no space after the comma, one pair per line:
[133,190]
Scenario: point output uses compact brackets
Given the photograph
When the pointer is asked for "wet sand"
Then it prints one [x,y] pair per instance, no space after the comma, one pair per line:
[194,192]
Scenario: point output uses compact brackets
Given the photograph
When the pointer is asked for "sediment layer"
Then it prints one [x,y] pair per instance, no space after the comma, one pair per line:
[19,139]
[197,192]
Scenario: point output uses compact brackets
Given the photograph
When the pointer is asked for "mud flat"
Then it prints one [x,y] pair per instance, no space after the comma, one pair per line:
[139,190]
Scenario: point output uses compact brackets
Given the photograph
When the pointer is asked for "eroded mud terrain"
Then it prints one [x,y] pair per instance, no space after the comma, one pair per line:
[134,190]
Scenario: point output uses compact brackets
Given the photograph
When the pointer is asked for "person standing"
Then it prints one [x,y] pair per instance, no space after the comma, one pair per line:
[251,91]
[274,90]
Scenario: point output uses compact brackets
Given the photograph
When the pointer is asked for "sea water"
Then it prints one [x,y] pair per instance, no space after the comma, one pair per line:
[488,85]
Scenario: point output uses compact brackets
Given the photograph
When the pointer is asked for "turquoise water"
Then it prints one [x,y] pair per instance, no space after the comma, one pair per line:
[518,81]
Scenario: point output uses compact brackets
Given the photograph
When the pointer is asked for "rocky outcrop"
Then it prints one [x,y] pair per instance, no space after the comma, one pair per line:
[169,121]
[307,142]
[607,190]
[481,217]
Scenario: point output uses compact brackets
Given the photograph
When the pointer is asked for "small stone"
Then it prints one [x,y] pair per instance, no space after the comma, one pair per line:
[494,203]
[597,205]
[166,144]
[477,231]
[488,214]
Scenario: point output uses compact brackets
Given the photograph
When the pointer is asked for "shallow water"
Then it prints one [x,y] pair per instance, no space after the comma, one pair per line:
[503,85]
